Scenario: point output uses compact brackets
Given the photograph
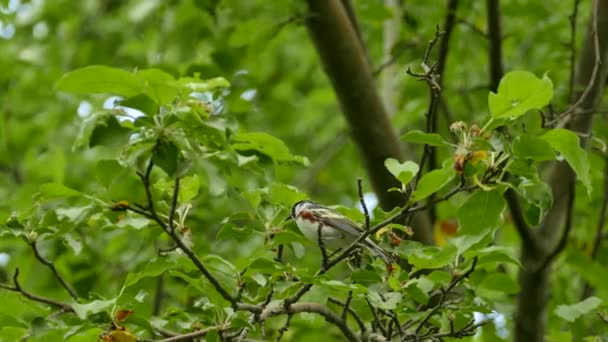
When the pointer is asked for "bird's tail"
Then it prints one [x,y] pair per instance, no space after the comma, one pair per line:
[379,252]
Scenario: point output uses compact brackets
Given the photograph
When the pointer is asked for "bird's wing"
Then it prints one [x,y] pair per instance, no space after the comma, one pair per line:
[333,219]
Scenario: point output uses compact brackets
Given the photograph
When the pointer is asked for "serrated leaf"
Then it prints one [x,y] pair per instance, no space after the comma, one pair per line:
[404,172]
[567,144]
[518,92]
[98,79]
[572,312]
[420,137]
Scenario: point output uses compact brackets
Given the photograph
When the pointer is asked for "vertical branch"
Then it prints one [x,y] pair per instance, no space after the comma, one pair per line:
[495,40]
[344,60]
[572,19]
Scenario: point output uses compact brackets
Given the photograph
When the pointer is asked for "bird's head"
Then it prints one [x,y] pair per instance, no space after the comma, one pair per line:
[300,206]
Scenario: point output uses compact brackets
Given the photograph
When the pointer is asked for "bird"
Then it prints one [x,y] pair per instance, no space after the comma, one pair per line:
[337,231]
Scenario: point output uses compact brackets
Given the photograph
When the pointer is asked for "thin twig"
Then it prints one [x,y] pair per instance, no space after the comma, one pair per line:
[321,243]
[173,205]
[152,214]
[596,67]
[444,294]
[316,308]
[188,336]
[285,327]
[346,306]
[377,323]
[362,202]
[17,288]
[53,269]
[352,313]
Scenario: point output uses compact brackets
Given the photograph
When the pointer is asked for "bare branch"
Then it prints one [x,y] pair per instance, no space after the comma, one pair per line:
[17,288]
[495,40]
[53,269]
[188,336]
[152,214]
[594,74]
[444,294]
[173,205]
[351,311]
[572,18]
[317,308]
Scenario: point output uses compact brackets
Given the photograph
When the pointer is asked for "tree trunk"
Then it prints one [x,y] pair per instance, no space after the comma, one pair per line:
[344,59]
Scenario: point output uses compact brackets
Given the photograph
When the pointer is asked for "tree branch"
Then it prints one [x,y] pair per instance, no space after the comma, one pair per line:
[444,294]
[17,288]
[188,336]
[151,213]
[317,308]
[495,40]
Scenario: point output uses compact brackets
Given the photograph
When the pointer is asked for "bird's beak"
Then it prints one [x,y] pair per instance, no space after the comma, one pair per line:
[288,218]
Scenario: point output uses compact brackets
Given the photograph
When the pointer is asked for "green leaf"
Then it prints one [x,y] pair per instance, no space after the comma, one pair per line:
[281,194]
[420,137]
[432,182]
[142,103]
[494,255]
[166,156]
[189,187]
[567,144]
[572,312]
[500,282]
[518,92]
[532,147]
[264,144]
[100,79]
[404,172]
[158,85]
[55,190]
[106,170]
[481,211]
[109,132]
[432,257]
[464,242]
[96,306]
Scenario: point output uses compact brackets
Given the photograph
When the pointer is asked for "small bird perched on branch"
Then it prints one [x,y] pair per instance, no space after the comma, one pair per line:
[337,231]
